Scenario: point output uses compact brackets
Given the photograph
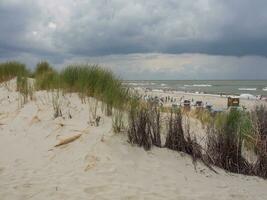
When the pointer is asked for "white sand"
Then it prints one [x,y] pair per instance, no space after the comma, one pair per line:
[100,164]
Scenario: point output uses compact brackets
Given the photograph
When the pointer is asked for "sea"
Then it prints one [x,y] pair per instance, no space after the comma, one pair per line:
[228,87]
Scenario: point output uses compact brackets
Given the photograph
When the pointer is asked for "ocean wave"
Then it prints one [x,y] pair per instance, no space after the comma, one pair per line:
[264,89]
[140,84]
[198,85]
[162,84]
[202,85]
[134,84]
[247,89]
[247,96]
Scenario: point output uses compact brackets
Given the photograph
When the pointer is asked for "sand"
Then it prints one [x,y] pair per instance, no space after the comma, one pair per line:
[217,101]
[99,164]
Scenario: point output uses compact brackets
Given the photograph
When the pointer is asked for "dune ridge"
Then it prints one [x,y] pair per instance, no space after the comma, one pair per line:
[99,164]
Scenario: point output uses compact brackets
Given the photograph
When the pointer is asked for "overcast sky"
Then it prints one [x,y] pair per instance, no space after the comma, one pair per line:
[140,39]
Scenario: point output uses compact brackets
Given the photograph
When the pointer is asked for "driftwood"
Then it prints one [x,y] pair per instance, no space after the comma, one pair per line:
[68,140]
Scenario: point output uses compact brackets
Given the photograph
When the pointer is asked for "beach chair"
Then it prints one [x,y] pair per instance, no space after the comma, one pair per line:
[199,105]
[186,105]
[233,101]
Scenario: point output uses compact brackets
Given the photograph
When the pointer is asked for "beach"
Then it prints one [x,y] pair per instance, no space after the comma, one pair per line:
[133,100]
[217,101]
[99,164]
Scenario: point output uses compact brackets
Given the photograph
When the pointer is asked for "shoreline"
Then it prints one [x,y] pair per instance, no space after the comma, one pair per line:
[225,87]
[216,100]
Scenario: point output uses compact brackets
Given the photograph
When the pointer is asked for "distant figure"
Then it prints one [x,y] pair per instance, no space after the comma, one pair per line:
[97,120]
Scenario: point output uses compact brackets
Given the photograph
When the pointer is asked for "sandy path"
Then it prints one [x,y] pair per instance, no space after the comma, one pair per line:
[99,165]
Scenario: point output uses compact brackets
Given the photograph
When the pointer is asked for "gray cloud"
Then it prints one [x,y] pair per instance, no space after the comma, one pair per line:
[65,30]
[182,66]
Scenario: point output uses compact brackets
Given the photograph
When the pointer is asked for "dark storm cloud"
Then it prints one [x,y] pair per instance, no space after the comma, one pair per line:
[212,27]
[14,20]
[121,27]
[17,21]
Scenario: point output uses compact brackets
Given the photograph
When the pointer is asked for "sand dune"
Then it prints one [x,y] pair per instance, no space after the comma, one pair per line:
[99,164]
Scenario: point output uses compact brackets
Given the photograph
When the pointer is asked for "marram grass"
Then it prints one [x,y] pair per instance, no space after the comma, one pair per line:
[12,69]
[87,81]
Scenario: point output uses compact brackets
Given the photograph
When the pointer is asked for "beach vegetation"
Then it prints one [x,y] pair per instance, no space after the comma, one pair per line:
[144,124]
[57,103]
[224,142]
[144,121]
[41,68]
[259,116]
[12,69]
[25,88]
[118,124]
[93,84]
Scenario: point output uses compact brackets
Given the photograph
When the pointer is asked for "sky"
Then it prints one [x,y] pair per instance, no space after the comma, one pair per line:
[140,39]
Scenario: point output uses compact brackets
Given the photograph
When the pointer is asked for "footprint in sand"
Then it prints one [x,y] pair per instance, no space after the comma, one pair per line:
[92,160]
[2,170]
[96,189]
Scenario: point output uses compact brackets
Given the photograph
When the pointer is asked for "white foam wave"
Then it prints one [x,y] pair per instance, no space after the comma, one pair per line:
[134,84]
[139,84]
[202,85]
[247,89]
[198,85]
[264,89]
[247,96]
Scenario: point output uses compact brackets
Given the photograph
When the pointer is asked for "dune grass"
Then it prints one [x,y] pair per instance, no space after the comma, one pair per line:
[225,140]
[12,69]
[93,83]
[41,68]
[25,89]
[87,80]
[118,124]
[203,116]
[144,125]
[229,134]
[48,80]
[259,116]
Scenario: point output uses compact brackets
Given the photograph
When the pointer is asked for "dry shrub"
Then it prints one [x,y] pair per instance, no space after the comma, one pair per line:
[139,132]
[144,125]
[203,116]
[117,121]
[179,140]
[154,123]
[224,144]
[259,116]
[260,167]
[57,103]
[93,107]
[175,139]
[24,89]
